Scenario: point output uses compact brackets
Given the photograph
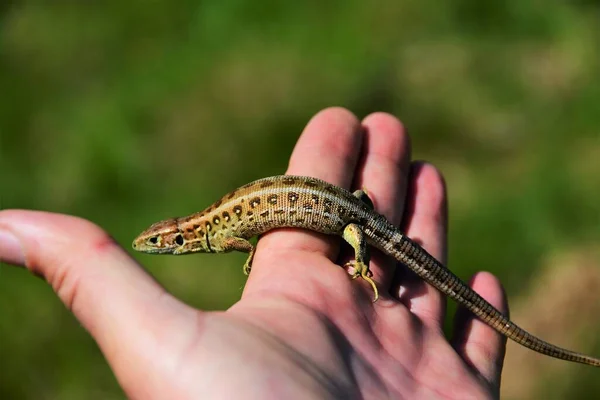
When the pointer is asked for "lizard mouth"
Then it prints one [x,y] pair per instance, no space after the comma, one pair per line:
[144,248]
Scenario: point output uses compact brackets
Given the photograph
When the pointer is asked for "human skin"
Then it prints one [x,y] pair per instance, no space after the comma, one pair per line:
[302,328]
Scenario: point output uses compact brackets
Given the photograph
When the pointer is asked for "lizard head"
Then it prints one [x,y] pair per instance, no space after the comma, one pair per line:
[167,237]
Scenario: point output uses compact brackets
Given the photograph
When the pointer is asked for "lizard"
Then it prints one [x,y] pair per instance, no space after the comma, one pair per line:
[289,201]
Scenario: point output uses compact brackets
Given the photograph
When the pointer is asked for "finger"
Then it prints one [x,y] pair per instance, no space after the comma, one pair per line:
[121,306]
[477,343]
[328,149]
[425,222]
[383,172]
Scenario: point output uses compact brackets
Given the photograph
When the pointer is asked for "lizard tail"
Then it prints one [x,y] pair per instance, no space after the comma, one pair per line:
[433,272]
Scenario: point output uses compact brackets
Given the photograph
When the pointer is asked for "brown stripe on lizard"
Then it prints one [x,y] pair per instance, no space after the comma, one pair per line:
[280,201]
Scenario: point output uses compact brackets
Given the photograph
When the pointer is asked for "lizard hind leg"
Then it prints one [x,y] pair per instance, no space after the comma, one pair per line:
[363,196]
[354,235]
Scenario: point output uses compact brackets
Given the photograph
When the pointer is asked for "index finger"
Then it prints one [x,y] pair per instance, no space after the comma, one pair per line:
[328,149]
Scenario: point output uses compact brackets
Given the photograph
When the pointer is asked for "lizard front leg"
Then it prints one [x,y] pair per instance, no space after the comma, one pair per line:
[243,245]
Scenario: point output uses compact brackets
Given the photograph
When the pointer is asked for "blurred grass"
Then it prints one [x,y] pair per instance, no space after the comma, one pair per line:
[125,113]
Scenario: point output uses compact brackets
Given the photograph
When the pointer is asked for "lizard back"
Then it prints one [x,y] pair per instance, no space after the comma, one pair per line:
[310,203]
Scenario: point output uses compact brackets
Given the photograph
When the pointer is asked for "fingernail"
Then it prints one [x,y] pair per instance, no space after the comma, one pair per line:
[11,250]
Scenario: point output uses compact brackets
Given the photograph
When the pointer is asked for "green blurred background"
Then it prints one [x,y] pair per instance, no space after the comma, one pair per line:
[128,112]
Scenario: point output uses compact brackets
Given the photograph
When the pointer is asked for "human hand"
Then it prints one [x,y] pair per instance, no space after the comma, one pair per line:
[302,328]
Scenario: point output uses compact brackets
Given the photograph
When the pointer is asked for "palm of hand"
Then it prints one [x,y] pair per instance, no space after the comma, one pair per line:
[302,329]
[335,347]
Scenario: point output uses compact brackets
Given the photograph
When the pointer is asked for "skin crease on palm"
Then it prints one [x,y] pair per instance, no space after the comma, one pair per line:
[302,329]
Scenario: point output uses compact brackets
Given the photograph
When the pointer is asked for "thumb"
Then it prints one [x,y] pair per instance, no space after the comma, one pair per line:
[128,313]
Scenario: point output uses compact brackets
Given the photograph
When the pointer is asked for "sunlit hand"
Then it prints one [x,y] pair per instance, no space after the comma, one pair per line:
[303,328]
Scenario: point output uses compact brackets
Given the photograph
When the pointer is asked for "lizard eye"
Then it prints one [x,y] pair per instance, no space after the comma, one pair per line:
[179,240]
[153,240]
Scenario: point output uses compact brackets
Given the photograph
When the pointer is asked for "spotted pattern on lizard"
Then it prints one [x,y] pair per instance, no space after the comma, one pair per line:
[310,203]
